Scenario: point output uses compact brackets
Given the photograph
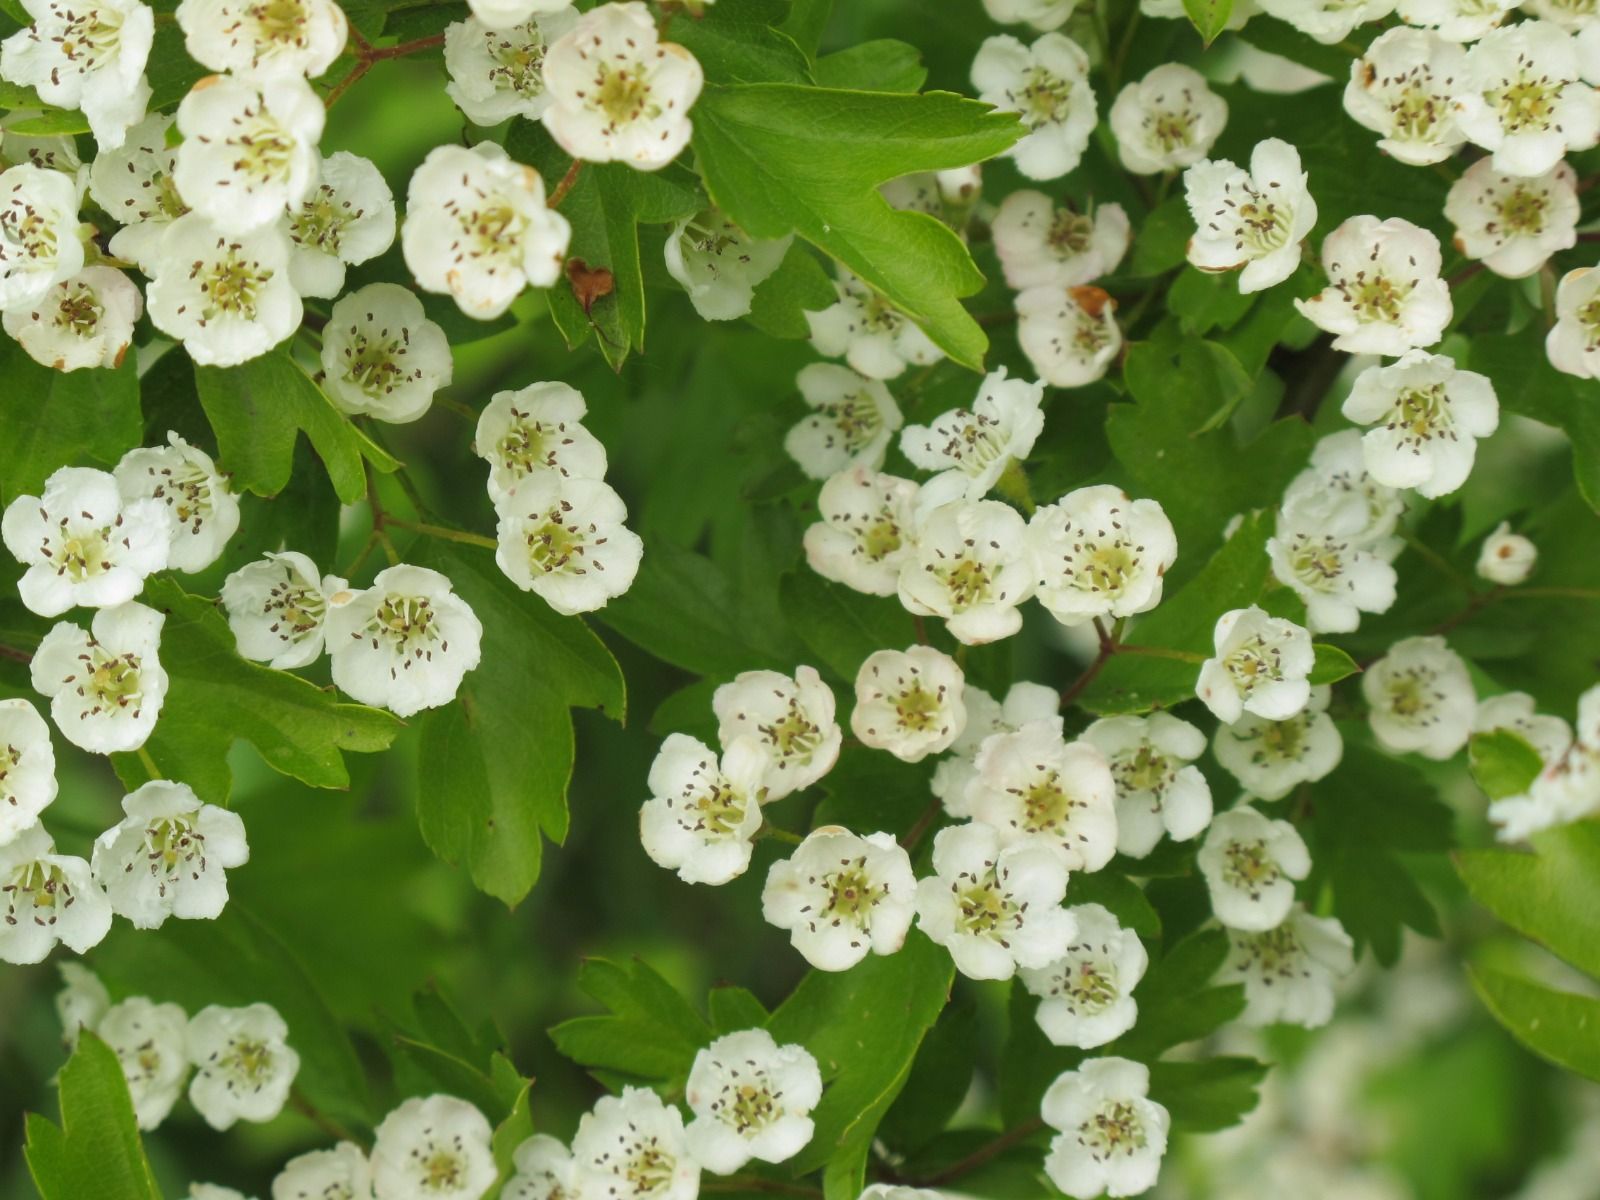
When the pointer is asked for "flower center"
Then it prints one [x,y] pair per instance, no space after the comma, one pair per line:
[1261,225]
[1285,740]
[186,489]
[518,61]
[856,418]
[1317,561]
[81,552]
[1375,297]
[794,734]
[1046,805]
[440,1168]
[279,23]
[852,894]
[1421,414]
[1275,952]
[1526,104]
[984,910]
[30,231]
[749,1108]
[231,283]
[1522,210]
[1415,110]
[1253,664]
[1589,318]
[78,313]
[1070,233]
[1172,128]
[320,222]
[1114,1129]
[562,544]
[1412,697]
[265,148]
[248,1061]
[110,681]
[296,609]
[1144,770]
[623,94]
[966,581]
[36,892]
[174,850]
[89,35]
[880,539]
[1091,986]
[717,809]
[1247,867]
[1044,98]
[918,709]
[650,1168]
[410,627]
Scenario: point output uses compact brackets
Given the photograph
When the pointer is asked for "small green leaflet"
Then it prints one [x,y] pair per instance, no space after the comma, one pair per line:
[1209,17]
[95,1152]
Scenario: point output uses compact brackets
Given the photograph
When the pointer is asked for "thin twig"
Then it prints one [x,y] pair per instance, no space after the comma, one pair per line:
[367,56]
[989,1150]
[442,532]
[302,1105]
[565,185]
[15,655]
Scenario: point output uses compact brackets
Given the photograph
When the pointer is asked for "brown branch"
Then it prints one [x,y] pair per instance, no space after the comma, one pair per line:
[565,185]
[985,1152]
[15,655]
[367,56]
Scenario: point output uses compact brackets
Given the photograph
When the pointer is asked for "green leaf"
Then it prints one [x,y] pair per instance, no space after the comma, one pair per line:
[1214,1093]
[736,43]
[257,410]
[1162,241]
[885,65]
[779,158]
[496,763]
[53,122]
[1209,17]
[96,1151]
[1560,1026]
[1332,664]
[215,698]
[1120,896]
[735,1008]
[1503,763]
[939,1081]
[651,1033]
[1551,895]
[840,626]
[513,1131]
[798,286]
[62,418]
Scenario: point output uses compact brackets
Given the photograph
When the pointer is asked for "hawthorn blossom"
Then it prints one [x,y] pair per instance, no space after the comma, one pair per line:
[204,511]
[842,897]
[134,184]
[90,57]
[1572,15]
[1047,85]
[544,1171]
[1327,21]
[382,357]
[909,702]
[347,218]
[1457,20]
[1254,220]
[1513,223]
[1337,495]
[852,421]
[751,1099]
[53,152]
[1420,698]
[1041,245]
[46,898]
[497,72]
[169,856]
[1260,666]
[1384,294]
[340,1173]
[1523,98]
[244,1065]
[1166,121]
[85,321]
[1069,335]
[1250,864]
[1507,558]
[289,39]
[534,431]
[1086,994]
[81,1002]
[994,908]
[1403,89]
[1427,417]
[1337,576]
[147,1039]
[719,264]
[565,540]
[863,537]
[1036,788]
[1097,553]
[869,333]
[433,1148]
[40,241]
[969,567]
[27,768]
[1566,790]
[632,1147]
[1272,758]
[617,93]
[1023,704]
[702,811]
[83,543]
[1112,1136]
[106,686]
[1514,712]
[791,718]
[1158,787]
[277,607]
[972,447]
[1288,971]
[477,228]
[502,14]
[1573,343]
[1043,15]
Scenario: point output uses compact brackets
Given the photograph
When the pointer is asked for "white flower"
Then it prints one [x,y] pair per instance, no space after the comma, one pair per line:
[1069,334]
[1572,15]
[1573,343]
[1251,864]
[1272,758]
[277,607]
[1041,14]
[535,431]
[995,909]
[169,856]
[1327,21]
[498,72]
[1384,294]
[1040,244]
[382,357]
[148,1040]
[249,149]
[433,1148]
[244,1065]
[1158,789]
[1514,712]
[213,1191]
[1166,121]
[917,192]
[1036,788]
[1086,995]
[970,567]
[792,719]
[1260,667]
[864,535]
[502,14]
[873,336]
[106,687]
[54,152]
[1336,494]
[347,218]
[1047,85]
[1568,789]
[1097,553]
[702,812]
[1506,558]
[134,184]
[842,897]
[46,898]
[853,420]
[960,187]
[337,1174]
[1288,972]
[1024,703]
[40,244]
[477,228]
[565,540]
[632,1147]
[1252,219]
[1338,577]
[617,93]
[86,56]
[81,1002]
[1427,417]
[974,446]
[544,1171]
[719,264]
[1588,42]
[909,702]
[751,1099]
[1513,223]
[405,643]
[85,321]
[1522,98]
[1112,1137]
[1457,20]
[83,543]
[1420,698]
[1403,89]
[227,298]
[205,513]
[289,38]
